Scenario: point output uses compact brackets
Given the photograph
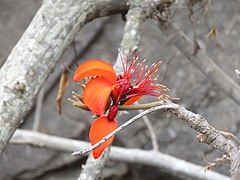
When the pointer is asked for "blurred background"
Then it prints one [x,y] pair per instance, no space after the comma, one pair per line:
[100,39]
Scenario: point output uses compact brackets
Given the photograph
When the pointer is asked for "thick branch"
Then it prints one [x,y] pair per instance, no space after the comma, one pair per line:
[139,11]
[35,55]
[37,52]
[93,168]
[169,164]
[212,135]
[131,37]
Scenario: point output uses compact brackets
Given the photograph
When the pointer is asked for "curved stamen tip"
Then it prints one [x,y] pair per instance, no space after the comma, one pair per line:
[167,89]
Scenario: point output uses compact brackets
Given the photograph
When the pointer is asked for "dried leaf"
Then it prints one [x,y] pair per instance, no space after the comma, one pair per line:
[62,86]
[78,104]
[212,33]
[77,97]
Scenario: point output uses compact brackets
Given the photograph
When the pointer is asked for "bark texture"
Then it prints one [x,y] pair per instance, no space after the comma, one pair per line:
[170,164]
[38,51]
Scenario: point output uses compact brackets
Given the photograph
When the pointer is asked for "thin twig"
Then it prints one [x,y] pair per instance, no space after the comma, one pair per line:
[150,130]
[167,68]
[140,106]
[216,162]
[77,102]
[195,121]
[120,128]
[230,136]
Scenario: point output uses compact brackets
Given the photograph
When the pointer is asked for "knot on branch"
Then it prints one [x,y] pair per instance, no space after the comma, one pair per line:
[162,12]
[19,87]
[202,139]
[156,9]
[207,138]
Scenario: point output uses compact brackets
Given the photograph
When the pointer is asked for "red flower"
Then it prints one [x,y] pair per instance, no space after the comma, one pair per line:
[100,128]
[106,86]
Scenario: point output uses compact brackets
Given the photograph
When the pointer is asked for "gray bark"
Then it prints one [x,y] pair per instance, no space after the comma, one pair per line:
[38,51]
[167,163]
[93,168]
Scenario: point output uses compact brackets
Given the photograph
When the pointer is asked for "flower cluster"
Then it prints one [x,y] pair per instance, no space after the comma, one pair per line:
[106,90]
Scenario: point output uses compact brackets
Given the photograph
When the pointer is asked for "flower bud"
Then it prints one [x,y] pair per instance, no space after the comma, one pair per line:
[112,112]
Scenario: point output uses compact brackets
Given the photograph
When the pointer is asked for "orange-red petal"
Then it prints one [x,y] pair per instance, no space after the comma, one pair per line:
[95,68]
[132,100]
[99,129]
[96,94]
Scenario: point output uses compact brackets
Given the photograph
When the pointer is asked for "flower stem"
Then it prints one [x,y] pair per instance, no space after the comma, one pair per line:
[140,106]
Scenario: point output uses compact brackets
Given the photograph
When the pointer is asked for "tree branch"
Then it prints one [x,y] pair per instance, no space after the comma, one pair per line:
[195,121]
[92,170]
[207,66]
[204,63]
[131,37]
[123,126]
[40,48]
[151,131]
[167,163]
[38,51]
